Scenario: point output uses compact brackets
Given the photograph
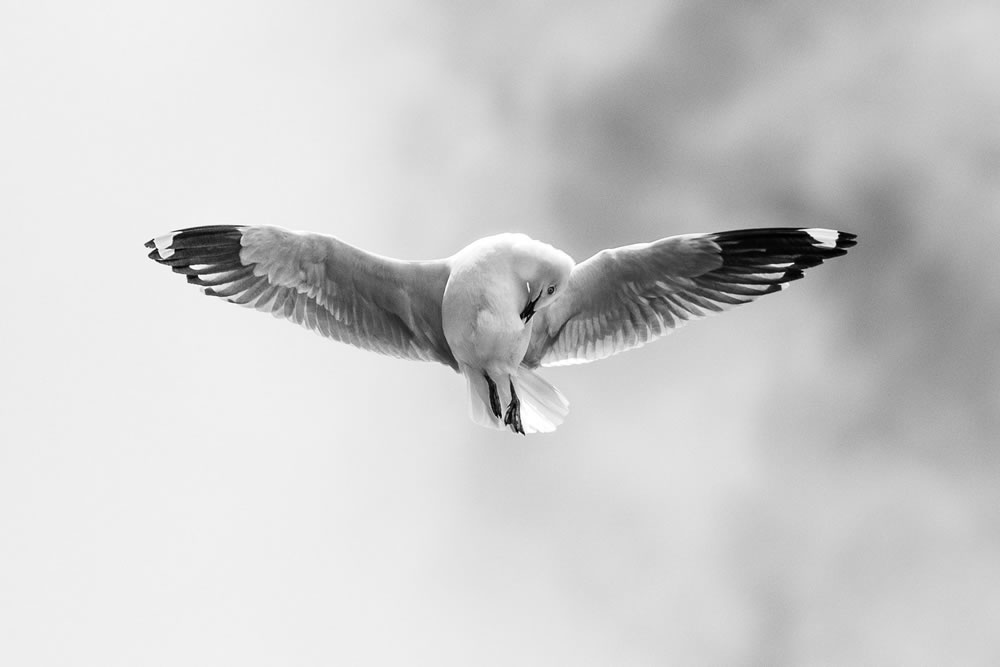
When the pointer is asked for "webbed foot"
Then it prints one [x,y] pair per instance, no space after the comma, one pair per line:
[494,396]
[512,417]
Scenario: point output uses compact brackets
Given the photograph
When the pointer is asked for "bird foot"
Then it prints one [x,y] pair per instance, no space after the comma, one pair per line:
[494,396]
[512,417]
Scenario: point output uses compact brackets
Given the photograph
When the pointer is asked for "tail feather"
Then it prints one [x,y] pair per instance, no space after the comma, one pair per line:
[543,407]
[479,400]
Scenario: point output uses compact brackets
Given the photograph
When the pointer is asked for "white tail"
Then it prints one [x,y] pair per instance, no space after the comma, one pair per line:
[479,400]
[543,407]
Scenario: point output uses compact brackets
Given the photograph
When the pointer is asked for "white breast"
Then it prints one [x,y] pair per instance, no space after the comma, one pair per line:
[480,312]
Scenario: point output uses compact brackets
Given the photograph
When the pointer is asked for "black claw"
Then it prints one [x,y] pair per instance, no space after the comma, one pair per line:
[512,417]
[494,396]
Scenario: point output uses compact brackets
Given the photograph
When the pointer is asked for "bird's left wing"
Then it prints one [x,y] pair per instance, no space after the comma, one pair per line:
[385,305]
[623,298]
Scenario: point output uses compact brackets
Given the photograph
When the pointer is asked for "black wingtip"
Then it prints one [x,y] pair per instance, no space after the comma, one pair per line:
[846,240]
[215,245]
[778,255]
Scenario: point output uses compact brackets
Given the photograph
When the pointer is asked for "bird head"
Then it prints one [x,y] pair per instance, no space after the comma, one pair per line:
[543,273]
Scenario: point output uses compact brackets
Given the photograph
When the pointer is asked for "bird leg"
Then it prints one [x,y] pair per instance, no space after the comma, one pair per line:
[513,416]
[494,395]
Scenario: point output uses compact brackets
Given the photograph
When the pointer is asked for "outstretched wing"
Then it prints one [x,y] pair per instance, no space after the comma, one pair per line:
[385,305]
[623,298]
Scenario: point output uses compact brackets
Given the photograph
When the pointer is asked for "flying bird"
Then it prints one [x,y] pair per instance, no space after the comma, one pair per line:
[500,308]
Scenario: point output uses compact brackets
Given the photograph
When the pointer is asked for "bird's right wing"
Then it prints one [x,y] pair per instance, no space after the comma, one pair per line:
[623,298]
[342,292]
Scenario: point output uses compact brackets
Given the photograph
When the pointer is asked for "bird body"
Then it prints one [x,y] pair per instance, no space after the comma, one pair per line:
[484,321]
[480,306]
[499,308]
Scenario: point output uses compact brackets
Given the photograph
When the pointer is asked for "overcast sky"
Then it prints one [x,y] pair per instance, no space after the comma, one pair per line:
[810,480]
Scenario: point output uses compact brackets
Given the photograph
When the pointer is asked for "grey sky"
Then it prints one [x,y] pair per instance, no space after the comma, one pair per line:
[811,479]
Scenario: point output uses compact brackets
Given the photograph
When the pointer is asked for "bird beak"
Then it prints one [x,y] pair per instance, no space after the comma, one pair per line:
[529,310]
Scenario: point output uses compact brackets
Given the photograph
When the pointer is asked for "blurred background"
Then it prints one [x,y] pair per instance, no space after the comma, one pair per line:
[810,480]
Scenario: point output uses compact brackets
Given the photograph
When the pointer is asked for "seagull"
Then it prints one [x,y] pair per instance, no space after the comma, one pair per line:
[499,308]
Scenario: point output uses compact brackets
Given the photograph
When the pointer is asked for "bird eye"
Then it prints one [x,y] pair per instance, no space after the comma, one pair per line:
[552,288]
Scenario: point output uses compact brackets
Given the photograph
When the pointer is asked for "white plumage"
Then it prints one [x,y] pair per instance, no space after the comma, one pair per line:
[499,308]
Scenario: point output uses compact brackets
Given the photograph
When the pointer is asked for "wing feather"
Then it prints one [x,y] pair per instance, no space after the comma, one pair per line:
[623,298]
[341,292]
